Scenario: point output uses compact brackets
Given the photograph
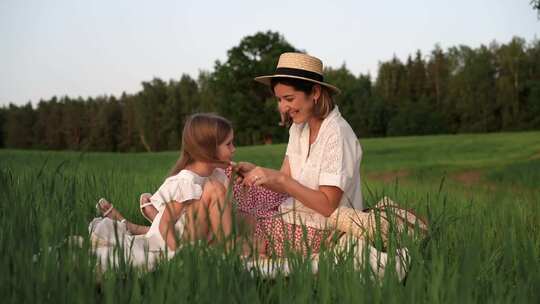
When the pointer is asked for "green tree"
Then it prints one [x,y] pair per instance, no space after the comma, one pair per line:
[511,73]
[41,124]
[391,84]
[182,100]
[130,138]
[47,130]
[106,125]
[416,77]
[438,75]
[355,99]
[531,91]
[74,122]
[417,118]
[150,111]
[536,5]
[379,116]
[472,90]
[19,125]
[247,103]
[207,96]
[3,116]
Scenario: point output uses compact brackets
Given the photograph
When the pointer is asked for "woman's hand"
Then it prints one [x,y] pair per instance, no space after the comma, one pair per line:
[263,176]
[242,169]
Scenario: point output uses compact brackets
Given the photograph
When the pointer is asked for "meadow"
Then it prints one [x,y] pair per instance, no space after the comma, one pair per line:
[480,194]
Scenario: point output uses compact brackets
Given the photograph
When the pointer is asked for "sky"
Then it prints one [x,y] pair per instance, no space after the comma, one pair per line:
[106,47]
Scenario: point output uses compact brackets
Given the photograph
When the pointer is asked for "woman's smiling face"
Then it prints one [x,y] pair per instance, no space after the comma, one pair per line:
[296,104]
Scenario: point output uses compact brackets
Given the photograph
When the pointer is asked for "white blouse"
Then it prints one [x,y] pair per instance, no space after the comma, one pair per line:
[332,160]
[184,186]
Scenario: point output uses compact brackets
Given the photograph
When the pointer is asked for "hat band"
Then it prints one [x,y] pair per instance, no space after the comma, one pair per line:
[300,73]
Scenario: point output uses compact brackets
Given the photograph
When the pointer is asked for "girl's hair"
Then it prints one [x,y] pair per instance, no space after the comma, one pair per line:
[202,134]
[323,106]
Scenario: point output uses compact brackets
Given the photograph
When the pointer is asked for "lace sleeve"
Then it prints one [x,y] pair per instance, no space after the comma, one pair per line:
[332,166]
[182,190]
[222,176]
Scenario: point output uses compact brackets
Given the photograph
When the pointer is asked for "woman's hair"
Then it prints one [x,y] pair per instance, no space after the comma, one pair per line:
[323,106]
[202,134]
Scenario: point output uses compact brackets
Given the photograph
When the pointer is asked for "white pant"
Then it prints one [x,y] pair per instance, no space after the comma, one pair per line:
[110,238]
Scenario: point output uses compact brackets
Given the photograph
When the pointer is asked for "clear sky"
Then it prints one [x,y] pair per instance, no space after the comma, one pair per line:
[90,48]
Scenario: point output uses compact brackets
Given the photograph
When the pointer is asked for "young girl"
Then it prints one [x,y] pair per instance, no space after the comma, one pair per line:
[190,200]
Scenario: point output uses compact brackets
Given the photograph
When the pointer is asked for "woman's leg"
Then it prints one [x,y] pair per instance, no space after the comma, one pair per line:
[279,237]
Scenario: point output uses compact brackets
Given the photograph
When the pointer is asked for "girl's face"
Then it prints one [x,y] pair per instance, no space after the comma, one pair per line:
[296,104]
[225,150]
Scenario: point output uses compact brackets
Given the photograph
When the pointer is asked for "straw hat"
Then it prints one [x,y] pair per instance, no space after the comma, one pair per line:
[299,66]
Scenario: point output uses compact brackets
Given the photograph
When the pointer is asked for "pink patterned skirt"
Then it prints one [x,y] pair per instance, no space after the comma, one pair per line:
[278,236]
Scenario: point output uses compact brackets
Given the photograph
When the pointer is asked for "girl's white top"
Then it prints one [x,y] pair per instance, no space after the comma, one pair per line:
[332,160]
[184,186]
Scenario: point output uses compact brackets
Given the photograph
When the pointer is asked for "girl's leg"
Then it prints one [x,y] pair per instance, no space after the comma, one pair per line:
[171,214]
[197,225]
[251,243]
[117,216]
[247,223]
[210,212]
[219,209]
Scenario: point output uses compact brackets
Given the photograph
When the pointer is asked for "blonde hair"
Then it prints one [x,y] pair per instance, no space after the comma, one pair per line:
[324,105]
[202,134]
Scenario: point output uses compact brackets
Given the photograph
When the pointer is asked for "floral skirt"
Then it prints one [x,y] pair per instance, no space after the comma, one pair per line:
[277,236]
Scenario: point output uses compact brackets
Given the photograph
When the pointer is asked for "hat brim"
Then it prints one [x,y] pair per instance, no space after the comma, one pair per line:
[267,79]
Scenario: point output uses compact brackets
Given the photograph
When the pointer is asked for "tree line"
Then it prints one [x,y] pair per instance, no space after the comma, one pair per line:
[490,88]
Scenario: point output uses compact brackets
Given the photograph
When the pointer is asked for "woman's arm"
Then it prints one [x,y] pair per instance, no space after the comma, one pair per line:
[325,200]
[285,167]
[243,168]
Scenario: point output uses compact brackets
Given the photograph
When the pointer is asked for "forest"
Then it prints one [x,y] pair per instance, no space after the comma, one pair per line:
[490,88]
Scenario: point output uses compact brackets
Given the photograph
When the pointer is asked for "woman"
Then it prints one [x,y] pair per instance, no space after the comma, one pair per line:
[321,168]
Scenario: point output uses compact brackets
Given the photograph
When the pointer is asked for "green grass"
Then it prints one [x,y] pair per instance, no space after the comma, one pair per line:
[480,193]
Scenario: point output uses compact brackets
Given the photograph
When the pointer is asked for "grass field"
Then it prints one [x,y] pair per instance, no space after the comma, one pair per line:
[481,194]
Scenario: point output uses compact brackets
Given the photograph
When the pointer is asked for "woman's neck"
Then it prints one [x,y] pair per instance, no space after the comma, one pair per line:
[201,168]
[314,127]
